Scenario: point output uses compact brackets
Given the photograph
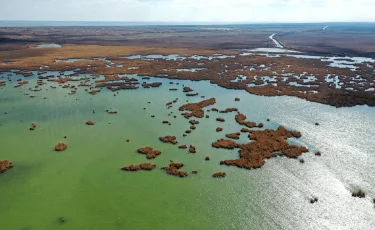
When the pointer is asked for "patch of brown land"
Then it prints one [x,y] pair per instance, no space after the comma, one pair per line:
[33,126]
[266,144]
[191,94]
[151,85]
[194,122]
[196,108]
[240,119]
[143,166]
[168,139]
[182,147]
[187,89]
[89,122]
[228,110]
[225,144]
[115,83]
[219,175]
[94,91]
[60,147]
[359,193]
[21,83]
[173,169]
[192,149]
[149,152]
[5,165]
[235,136]
[245,130]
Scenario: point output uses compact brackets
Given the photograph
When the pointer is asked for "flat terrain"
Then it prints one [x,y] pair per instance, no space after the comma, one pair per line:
[209,132]
[345,82]
[338,38]
[353,39]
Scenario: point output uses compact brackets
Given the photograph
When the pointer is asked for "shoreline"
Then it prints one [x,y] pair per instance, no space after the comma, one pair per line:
[112,60]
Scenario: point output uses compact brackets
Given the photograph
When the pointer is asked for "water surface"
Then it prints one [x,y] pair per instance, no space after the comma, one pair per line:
[48,46]
[85,183]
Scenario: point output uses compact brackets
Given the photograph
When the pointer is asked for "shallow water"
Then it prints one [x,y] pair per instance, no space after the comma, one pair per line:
[340,62]
[277,44]
[48,46]
[190,70]
[86,186]
[272,50]
[178,57]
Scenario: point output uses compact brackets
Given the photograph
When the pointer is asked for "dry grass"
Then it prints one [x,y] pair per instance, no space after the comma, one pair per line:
[31,56]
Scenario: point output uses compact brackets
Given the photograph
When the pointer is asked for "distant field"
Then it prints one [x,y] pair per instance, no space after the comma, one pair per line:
[343,38]
[338,38]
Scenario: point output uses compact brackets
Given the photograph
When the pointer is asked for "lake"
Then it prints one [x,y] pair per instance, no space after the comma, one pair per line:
[85,185]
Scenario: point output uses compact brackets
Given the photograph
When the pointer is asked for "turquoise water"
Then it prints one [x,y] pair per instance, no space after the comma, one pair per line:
[86,186]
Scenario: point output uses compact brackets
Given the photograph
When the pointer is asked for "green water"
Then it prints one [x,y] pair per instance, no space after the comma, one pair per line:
[85,184]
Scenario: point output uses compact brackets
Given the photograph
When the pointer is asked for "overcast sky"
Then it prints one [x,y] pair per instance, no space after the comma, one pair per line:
[190,10]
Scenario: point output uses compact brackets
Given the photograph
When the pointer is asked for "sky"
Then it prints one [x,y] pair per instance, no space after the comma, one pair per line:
[219,11]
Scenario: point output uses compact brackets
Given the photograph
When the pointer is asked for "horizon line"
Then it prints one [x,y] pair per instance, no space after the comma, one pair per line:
[183,22]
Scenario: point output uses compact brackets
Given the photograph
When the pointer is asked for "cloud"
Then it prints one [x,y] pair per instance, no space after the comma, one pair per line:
[190,10]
